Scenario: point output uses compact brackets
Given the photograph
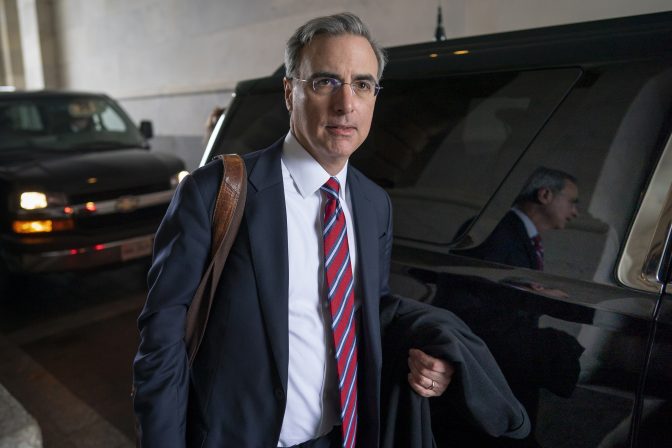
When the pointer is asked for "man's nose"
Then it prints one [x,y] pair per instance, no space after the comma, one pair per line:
[343,99]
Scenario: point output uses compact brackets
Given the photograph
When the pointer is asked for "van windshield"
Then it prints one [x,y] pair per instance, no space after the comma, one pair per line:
[64,123]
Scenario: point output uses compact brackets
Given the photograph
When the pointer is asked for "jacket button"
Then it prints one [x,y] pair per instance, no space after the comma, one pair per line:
[279,394]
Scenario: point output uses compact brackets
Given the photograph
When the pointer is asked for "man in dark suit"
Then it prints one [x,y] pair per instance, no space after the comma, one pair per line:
[530,357]
[547,201]
[292,352]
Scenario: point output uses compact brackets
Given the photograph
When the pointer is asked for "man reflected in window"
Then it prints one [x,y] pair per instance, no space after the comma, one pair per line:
[547,201]
[530,357]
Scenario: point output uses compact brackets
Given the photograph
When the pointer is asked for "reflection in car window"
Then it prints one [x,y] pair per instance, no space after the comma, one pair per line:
[608,134]
[442,146]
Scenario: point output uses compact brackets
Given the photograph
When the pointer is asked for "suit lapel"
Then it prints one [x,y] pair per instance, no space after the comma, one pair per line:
[365,218]
[265,216]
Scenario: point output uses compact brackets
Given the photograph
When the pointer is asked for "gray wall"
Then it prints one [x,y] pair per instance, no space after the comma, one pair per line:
[172,61]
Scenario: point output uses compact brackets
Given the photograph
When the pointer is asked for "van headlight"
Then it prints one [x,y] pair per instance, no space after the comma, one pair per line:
[35,200]
[177,178]
[32,200]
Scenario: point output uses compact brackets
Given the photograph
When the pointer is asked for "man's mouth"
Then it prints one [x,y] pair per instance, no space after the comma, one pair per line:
[343,130]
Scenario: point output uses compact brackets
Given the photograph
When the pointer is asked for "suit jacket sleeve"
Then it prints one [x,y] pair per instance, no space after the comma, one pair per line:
[160,368]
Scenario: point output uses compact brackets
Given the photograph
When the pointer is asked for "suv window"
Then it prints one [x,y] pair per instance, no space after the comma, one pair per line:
[608,134]
[64,123]
[256,122]
[442,146]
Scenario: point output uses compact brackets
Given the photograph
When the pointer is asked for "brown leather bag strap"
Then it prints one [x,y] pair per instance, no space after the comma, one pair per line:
[226,220]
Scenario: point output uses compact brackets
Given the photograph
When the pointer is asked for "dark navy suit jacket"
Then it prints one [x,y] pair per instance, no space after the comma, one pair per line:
[235,393]
[509,244]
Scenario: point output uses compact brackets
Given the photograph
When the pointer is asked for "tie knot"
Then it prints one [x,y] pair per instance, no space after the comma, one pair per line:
[332,187]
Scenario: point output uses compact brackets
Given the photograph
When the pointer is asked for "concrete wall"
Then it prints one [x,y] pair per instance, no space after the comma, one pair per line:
[148,47]
[30,44]
[172,61]
[10,45]
[48,43]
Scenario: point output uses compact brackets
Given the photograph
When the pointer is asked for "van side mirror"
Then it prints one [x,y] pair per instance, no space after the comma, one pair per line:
[146,129]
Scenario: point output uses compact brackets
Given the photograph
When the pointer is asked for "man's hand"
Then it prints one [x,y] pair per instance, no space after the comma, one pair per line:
[429,376]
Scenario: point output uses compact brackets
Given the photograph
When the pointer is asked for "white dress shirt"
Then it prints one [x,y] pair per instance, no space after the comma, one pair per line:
[530,228]
[313,406]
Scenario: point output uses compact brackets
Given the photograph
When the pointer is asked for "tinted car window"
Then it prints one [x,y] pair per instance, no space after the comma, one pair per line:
[442,146]
[65,123]
[608,134]
[256,122]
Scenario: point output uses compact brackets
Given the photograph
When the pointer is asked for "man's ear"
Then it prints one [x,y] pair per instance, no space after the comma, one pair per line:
[289,99]
[544,195]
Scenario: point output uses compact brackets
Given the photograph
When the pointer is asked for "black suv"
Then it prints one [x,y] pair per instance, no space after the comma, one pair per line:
[79,187]
[585,343]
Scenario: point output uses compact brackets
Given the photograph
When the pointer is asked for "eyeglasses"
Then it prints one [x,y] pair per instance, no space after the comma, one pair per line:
[363,88]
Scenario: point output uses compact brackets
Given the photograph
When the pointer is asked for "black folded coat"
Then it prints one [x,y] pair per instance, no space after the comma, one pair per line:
[478,390]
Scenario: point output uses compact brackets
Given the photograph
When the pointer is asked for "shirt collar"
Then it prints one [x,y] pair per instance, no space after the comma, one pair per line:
[529,225]
[306,172]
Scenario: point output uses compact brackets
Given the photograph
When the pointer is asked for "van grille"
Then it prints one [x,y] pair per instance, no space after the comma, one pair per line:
[95,196]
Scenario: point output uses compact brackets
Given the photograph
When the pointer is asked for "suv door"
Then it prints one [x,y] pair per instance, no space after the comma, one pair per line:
[574,341]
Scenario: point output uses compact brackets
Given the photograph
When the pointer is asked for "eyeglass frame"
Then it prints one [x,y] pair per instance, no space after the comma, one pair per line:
[376,87]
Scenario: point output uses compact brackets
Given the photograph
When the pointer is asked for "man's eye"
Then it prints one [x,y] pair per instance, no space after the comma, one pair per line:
[325,82]
[363,86]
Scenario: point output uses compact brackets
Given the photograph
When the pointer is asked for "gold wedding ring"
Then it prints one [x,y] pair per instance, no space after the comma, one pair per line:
[432,386]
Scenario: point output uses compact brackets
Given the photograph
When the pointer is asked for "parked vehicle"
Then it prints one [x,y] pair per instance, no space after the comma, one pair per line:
[79,187]
[459,126]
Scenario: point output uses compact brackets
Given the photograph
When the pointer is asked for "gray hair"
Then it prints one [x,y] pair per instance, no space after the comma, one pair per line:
[543,177]
[335,25]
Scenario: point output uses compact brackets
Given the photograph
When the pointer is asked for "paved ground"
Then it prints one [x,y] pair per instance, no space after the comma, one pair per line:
[66,347]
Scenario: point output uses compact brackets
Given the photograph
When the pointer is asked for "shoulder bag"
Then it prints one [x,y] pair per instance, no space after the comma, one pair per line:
[226,220]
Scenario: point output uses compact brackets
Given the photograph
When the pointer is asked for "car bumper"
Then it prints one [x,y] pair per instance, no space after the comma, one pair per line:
[85,257]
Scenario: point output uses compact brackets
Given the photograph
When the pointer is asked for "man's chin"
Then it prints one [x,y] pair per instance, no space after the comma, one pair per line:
[342,148]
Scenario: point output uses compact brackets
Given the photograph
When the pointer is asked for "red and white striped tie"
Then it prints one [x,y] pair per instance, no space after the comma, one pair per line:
[341,297]
[539,251]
